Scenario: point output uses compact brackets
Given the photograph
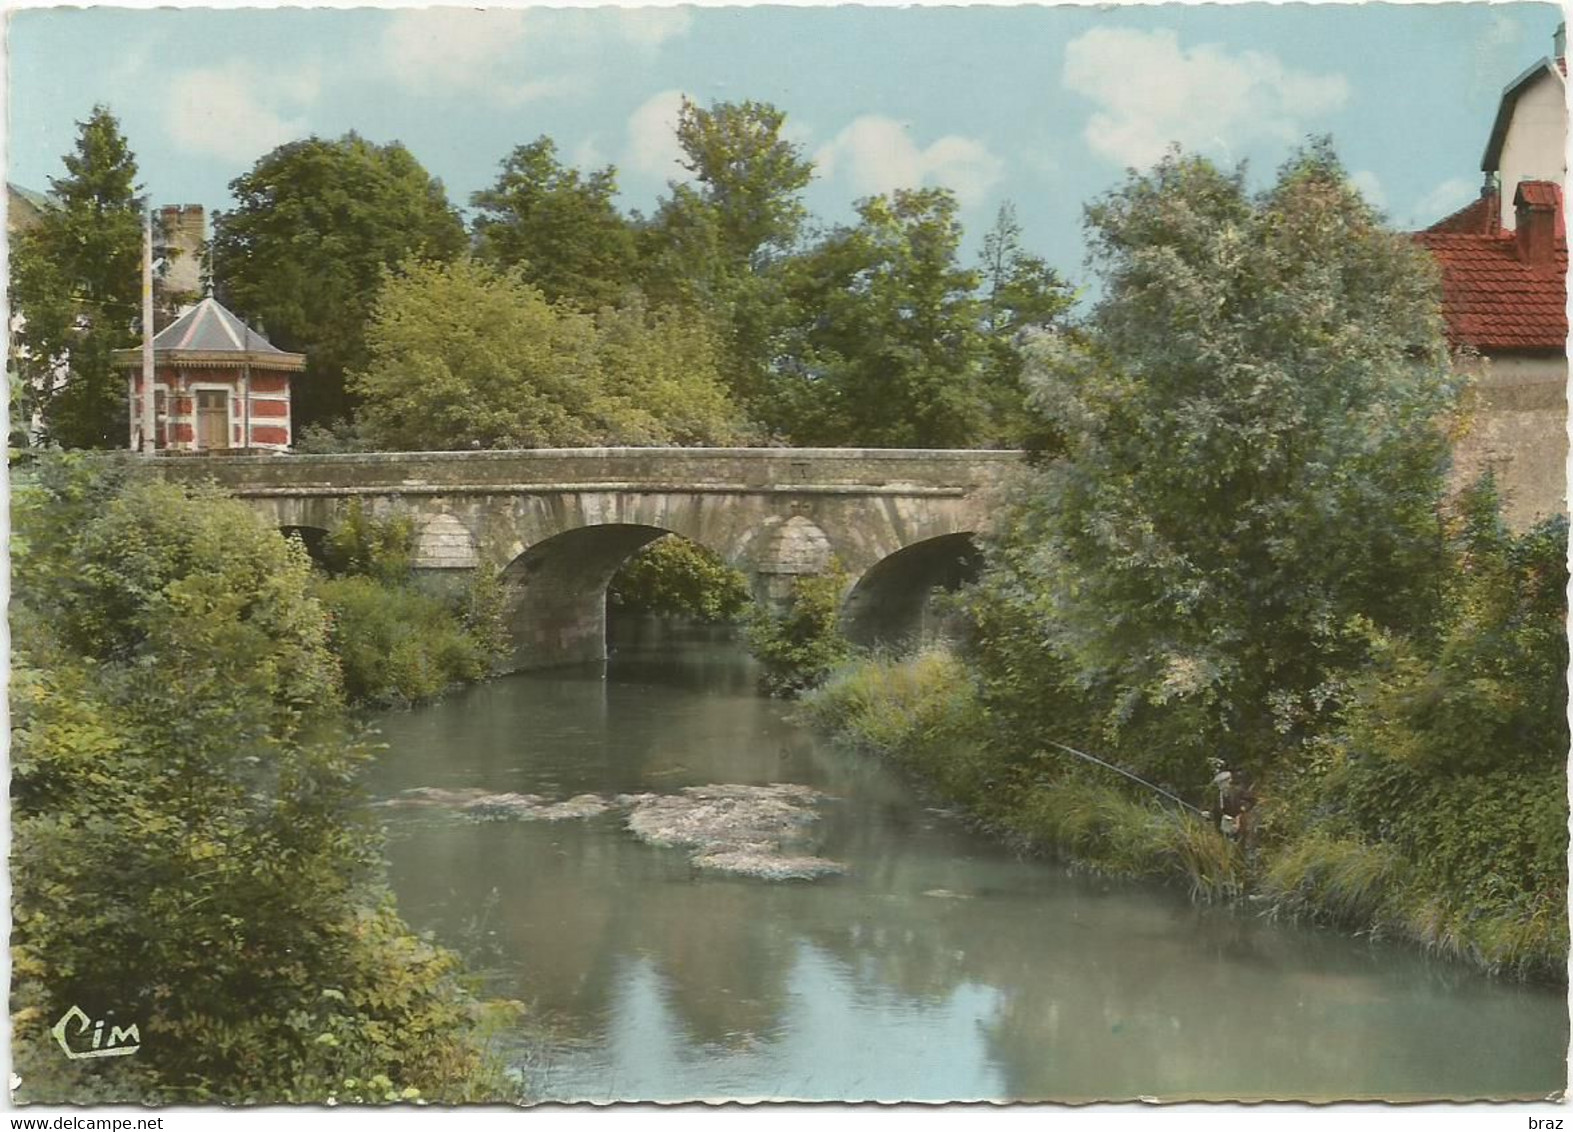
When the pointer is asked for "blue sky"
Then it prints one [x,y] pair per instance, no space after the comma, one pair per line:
[1042,106]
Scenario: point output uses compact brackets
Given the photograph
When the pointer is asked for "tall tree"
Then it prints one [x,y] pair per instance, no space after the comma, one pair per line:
[891,347]
[1254,463]
[721,242]
[465,356]
[1021,296]
[561,230]
[75,282]
[304,250]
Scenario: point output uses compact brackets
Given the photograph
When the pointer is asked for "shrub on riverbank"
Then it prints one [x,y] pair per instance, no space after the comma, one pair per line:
[190,852]
[1453,761]
[398,644]
[798,646]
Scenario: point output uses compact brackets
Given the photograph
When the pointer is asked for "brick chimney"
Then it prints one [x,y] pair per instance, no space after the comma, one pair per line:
[1537,207]
[184,228]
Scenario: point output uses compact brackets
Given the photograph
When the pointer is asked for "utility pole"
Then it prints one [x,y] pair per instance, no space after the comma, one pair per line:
[148,423]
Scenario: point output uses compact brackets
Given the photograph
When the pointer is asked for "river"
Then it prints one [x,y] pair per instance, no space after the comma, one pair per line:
[934,966]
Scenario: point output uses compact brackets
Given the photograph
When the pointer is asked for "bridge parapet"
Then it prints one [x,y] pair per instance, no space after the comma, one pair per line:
[803,470]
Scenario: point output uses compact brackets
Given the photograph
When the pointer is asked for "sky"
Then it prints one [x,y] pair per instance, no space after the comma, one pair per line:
[1042,106]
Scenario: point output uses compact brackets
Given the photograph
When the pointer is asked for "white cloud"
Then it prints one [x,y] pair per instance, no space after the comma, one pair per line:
[1444,200]
[1370,187]
[652,136]
[488,52]
[465,50]
[1151,92]
[649,28]
[875,154]
[235,111]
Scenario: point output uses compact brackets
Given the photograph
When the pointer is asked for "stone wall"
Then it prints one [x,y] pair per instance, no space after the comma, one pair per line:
[1517,428]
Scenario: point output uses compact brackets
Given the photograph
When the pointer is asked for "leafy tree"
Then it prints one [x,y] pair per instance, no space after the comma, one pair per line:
[1252,473]
[662,381]
[194,856]
[562,231]
[749,177]
[892,350]
[673,577]
[1021,295]
[719,244]
[304,250]
[76,282]
[464,356]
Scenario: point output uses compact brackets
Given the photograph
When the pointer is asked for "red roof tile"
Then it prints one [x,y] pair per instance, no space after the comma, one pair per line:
[1477,217]
[1493,300]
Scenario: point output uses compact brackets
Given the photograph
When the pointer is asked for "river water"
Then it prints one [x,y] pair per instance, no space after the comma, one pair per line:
[936,966]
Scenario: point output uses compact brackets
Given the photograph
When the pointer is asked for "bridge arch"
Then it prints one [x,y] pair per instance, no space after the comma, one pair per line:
[557,586]
[891,604]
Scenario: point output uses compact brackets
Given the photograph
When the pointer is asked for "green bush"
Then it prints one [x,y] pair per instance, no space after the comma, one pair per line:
[482,610]
[191,852]
[1450,773]
[673,577]
[798,646]
[362,544]
[396,645]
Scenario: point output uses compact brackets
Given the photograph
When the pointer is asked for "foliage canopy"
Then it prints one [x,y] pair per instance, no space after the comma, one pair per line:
[76,282]
[192,852]
[1254,457]
[317,223]
[465,356]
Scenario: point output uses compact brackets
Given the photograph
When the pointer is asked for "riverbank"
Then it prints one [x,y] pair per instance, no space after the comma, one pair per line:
[1297,859]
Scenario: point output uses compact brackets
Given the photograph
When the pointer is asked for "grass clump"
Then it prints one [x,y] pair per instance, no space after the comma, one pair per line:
[1338,879]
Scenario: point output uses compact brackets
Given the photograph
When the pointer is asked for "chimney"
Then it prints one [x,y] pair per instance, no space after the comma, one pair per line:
[1537,208]
[1559,41]
[183,233]
[1491,196]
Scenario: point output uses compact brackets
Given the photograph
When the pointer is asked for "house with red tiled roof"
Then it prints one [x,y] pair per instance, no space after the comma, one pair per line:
[1504,263]
[217,385]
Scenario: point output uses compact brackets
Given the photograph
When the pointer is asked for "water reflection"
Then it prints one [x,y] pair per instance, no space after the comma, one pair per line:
[938,968]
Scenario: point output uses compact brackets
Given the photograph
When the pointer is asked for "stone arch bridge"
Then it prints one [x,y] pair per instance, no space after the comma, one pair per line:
[558,523]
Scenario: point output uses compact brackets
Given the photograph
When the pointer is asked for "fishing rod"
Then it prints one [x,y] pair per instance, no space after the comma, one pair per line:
[1127,774]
